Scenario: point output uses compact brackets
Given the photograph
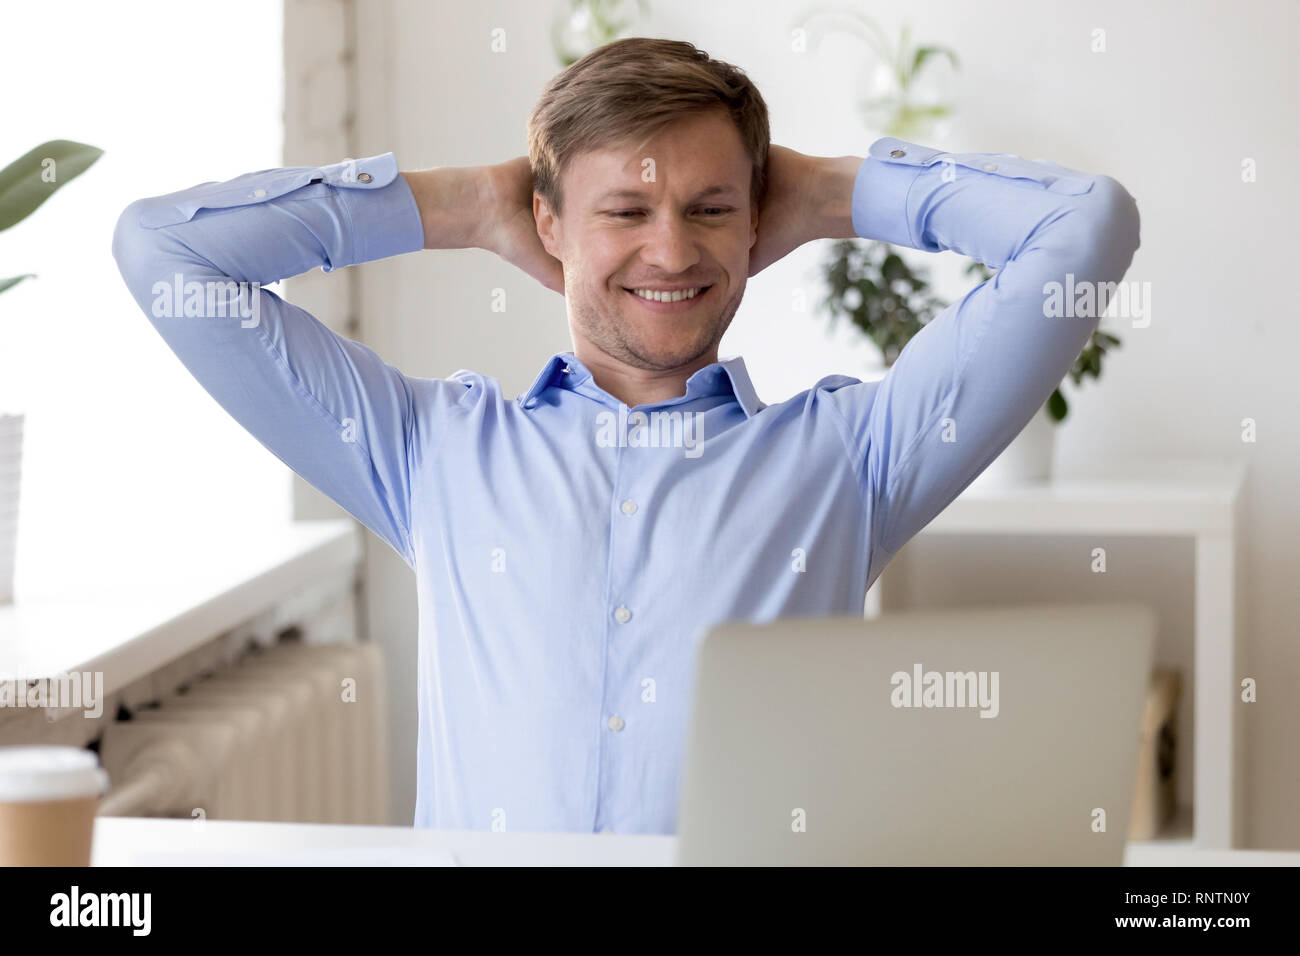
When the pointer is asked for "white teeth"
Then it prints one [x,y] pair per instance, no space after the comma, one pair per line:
[667,296]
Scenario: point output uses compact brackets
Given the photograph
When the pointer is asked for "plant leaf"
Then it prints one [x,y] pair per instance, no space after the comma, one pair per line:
[1057,407]
[14,280]
[924,53]
[22,186]
[900,67]
[894,268]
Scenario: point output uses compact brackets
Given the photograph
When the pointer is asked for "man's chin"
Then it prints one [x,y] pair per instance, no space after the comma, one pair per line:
[654,343]
[664,356]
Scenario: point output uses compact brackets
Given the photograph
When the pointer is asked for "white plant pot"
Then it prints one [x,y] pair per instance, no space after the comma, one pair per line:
[11,454]
[1027,459]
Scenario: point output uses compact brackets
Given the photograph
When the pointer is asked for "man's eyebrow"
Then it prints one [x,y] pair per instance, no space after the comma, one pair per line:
[705,193]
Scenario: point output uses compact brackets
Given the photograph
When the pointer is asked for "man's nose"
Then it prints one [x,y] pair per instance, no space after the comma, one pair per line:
[670,245]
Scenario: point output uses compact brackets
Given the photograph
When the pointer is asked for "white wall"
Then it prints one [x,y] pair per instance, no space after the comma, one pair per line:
[1184,92]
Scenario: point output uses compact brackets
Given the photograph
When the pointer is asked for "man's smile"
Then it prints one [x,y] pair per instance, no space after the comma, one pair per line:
[669,302]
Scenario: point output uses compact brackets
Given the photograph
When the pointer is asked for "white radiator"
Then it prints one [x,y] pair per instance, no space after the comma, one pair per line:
[293,733]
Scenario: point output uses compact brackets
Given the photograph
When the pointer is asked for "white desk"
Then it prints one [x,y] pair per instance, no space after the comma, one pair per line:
[119,839]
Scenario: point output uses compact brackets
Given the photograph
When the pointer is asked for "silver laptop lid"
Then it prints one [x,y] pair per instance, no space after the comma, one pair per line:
[1002,736]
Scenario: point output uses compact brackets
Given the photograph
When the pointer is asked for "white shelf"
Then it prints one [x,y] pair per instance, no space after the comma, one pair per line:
[1146,498]
[1187,498]
[181,595]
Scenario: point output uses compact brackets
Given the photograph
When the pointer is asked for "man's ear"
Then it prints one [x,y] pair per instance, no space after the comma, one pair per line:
[546,223]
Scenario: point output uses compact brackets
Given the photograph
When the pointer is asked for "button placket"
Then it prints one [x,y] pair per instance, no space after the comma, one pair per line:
[624,541]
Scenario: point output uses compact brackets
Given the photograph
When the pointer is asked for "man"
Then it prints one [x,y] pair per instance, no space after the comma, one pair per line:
[573,545]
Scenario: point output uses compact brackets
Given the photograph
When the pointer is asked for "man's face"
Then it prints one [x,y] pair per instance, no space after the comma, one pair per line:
[690,226]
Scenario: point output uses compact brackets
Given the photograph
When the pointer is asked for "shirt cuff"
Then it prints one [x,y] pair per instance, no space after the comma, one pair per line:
[880,194]
[385,217]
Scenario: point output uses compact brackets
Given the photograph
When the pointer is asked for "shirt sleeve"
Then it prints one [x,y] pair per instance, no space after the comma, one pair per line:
[328,407]
[968,382]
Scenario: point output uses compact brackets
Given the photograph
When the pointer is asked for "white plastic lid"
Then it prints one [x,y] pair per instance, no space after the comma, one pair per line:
[49,773]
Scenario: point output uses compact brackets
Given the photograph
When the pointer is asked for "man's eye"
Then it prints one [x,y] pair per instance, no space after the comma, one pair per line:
[627,213]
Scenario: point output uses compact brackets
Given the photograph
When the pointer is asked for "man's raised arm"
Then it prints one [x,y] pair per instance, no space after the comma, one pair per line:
[967,383]
[326,406]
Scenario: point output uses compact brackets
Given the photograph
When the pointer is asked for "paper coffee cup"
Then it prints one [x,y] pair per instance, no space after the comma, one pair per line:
[48,799]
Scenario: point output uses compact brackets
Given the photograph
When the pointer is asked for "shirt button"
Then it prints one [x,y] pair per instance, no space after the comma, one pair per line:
[364,178]
[616,723]
[259,193]
[990,168]
[896,153]
[566,370]
[629,507]
[622,615]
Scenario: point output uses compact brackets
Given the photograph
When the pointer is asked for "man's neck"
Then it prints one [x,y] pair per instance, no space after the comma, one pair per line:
[637,386]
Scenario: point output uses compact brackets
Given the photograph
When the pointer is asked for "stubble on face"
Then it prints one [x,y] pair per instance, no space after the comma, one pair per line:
[632,344]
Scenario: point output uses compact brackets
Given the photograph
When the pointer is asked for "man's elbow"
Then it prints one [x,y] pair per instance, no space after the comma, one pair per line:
[1109,228]
[137,253]
[129,237]
[1120,212]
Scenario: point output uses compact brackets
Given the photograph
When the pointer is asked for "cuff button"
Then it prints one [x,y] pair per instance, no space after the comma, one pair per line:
[364,178]
[896,153]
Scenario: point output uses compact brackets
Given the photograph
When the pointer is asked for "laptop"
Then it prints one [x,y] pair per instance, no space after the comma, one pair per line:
[990,736]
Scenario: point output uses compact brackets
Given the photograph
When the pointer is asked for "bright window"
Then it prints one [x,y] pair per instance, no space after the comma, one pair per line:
[124,452]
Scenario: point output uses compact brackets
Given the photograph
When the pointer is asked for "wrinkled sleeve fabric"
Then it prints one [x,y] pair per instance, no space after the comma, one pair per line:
[974,376]
[328,407]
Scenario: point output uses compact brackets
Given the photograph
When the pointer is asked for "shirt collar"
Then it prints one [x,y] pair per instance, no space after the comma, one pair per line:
[727,376]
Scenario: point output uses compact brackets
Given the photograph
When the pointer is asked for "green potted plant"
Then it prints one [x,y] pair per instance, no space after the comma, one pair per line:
[871,284]
[24,185]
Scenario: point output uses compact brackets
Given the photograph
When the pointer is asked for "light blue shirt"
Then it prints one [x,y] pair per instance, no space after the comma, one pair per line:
[569,555]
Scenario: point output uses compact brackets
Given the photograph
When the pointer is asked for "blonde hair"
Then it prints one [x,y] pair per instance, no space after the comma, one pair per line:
[635,87]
